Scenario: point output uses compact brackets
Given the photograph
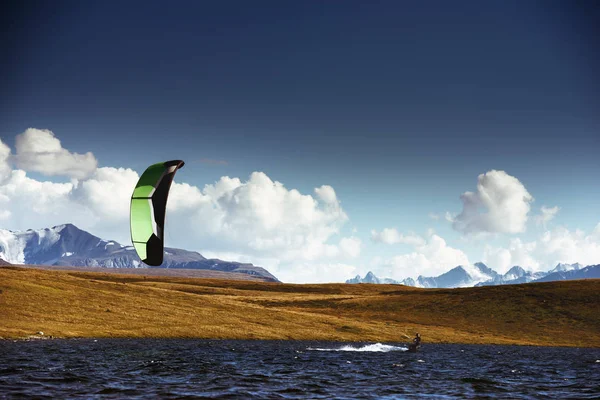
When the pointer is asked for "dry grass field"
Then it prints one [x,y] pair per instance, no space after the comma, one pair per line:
[92,304]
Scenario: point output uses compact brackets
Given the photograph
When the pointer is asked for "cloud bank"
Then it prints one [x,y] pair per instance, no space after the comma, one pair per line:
[297,234]
[261,216]
[430,256]
[558,245]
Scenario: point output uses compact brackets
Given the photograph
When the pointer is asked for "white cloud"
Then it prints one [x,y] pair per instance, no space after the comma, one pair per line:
[500,205]
[392,236]
[106,194]
[517,253]
[431,257]
[40,151]
[260,217]
[315,272]
[559,245]
[563,245]
[546,215]
[99,204]
[298,271]
[28,203]
[4,165]
[350,246]
[327,194]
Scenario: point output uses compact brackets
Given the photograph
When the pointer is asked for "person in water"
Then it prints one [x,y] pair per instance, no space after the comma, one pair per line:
[415,344]
[417,340]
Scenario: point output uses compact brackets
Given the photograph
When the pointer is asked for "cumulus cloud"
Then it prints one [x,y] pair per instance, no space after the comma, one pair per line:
[281,229]
[107,194]
[431,256]
[500,205]
[28,203]
[563,245]
[392,236]
[559,245]
[39,150]
[99,204]
[261,217]
[327,194]
[546,215]
[4,161]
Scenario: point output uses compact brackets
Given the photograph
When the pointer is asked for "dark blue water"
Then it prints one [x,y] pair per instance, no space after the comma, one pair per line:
[117,368]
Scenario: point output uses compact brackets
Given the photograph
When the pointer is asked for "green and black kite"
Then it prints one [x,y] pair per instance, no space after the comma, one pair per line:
[148,206]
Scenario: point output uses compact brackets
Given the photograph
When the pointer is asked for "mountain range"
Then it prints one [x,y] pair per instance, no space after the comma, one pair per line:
[480,274]
[67,245]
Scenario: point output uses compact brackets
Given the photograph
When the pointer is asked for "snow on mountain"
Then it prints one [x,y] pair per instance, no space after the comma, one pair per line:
[515,272]
[486,271]
[11,247]
[480,274]
[68,245]
[408,282]
[565,267]
[456,277]
[20,247]
[370,278]
[589,272]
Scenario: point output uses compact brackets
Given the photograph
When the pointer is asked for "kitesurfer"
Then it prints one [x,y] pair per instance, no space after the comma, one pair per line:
[415,344]
[417,340]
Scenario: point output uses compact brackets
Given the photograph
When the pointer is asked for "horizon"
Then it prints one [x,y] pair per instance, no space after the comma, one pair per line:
[474,273]
[321,141]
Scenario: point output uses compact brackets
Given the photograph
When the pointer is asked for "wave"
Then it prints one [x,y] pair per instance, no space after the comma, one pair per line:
[377,347]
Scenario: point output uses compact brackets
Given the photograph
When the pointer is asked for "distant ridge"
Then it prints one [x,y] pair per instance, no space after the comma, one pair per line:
[67,245]
[482,275]
[589,272]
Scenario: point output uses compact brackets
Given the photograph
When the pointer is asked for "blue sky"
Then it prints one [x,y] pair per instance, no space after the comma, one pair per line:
[398,106]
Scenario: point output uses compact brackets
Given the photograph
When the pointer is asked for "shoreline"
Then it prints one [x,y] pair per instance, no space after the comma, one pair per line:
[358,342]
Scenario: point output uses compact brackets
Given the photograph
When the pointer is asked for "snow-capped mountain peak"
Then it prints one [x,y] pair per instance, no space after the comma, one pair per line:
[515,272]
[70,246]
[560,267]
[21,247]
[371,278]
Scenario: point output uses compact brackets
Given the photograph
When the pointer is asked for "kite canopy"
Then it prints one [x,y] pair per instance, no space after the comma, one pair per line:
[148,205]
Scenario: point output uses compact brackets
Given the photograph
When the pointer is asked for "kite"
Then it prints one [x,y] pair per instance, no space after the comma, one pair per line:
[148,206]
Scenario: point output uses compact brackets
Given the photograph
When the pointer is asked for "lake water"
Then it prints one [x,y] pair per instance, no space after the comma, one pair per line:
[142,368]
